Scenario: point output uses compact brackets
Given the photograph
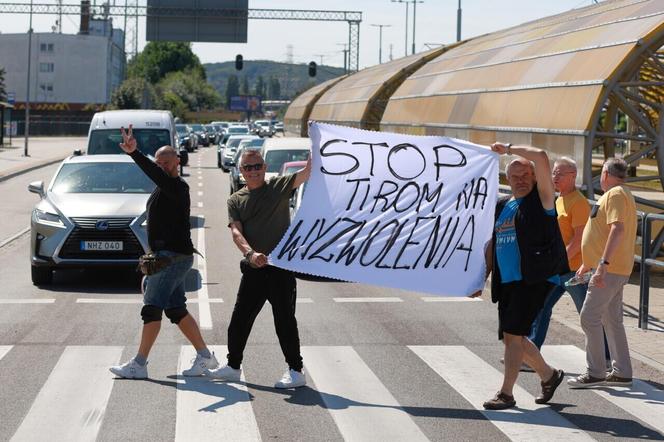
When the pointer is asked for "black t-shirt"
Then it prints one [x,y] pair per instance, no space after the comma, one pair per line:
[168,209]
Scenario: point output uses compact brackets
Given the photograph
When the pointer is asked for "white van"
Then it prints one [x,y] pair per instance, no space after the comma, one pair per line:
[152,130]
[277,151]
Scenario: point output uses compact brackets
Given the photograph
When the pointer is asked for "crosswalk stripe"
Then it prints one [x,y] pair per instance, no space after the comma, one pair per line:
[208,410]
[72,401]
[641,400]
[376,299]
[449,299]
[136,301]
[204,314]
[27,301]
[361,406]
[304,301]
[4,349]
[476,381]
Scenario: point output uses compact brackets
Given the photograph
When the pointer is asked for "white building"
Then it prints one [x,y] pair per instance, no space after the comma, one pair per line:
[65,68]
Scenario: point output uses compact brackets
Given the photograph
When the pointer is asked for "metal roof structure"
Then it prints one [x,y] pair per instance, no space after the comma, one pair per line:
[566,83]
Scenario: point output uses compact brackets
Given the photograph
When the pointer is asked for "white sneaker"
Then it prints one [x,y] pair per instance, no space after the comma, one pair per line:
[291,379]
[201,365]
[130,370]
[225,373]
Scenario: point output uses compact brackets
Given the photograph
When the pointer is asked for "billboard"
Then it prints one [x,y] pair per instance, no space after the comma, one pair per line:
[246,103]
[223,21]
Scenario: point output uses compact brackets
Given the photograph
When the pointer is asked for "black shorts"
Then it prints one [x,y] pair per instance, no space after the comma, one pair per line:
[519,305]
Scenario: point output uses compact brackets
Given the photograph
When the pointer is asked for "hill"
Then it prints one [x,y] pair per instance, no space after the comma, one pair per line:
[293,78]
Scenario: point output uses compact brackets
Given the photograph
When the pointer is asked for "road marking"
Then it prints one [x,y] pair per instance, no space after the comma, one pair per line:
[304,301]
[14,237]
[4,349]
[207,410]
[204,314]
[199,204]
[72,401]
[641,400]
[359,403]
[200,184]
[477,381]
[200,172]
[200,193]
[389,299]
[27,301]
[449,299]
[136,301]
[200,177]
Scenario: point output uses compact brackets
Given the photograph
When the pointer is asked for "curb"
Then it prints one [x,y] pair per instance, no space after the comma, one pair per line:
[30,168]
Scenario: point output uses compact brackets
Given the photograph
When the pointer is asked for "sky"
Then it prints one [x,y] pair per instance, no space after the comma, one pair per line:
[323,41]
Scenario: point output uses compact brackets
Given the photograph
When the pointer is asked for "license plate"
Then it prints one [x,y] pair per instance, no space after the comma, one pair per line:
[102,246]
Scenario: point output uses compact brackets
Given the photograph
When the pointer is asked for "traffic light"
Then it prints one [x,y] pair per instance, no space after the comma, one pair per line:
[238,62]
[312,69]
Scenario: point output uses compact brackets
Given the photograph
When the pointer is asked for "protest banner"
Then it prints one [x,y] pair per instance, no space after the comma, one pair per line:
[402,211]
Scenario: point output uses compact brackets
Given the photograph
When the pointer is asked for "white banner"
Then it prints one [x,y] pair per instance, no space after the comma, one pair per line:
[403,211]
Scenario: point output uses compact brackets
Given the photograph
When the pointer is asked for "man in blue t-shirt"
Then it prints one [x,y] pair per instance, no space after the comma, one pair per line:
[522,274]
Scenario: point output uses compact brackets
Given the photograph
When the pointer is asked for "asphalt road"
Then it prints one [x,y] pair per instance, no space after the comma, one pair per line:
[394,366]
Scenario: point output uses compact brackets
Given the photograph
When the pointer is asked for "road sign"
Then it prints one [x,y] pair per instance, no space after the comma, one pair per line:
[11,97]
[246,103]
[222,21]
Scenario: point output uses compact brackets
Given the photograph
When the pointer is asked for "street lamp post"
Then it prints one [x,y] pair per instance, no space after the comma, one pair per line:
[415,2]
[27,95]
[459,22]
[380,41]
[406,43]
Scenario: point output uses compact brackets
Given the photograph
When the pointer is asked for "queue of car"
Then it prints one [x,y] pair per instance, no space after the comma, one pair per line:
[92,212]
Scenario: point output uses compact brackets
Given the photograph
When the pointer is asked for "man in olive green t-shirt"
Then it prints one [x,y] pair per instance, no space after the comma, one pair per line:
[258,216]
[608,246]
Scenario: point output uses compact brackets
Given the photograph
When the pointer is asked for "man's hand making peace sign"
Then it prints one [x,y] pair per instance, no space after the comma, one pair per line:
[128,141]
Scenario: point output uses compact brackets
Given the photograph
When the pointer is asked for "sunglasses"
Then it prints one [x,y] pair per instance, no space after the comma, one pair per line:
[250,167]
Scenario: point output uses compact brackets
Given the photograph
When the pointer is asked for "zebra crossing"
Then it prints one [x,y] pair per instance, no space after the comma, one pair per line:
[71,404]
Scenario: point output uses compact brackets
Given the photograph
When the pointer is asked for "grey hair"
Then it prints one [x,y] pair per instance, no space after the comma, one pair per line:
[250,153]
[616,167]
[565,161]
[518,161]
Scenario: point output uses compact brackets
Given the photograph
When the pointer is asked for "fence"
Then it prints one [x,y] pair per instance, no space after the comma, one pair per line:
[54,127]
[647,259]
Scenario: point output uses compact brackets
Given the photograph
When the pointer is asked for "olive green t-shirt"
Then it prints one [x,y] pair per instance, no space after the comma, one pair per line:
[263,212]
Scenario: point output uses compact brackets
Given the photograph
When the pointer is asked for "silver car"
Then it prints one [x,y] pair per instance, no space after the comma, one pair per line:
[92,214]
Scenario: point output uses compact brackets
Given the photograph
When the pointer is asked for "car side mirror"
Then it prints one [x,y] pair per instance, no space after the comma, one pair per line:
[37,187]
[78,152]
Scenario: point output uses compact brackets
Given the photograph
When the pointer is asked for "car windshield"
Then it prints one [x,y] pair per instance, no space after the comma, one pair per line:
[107,141]
[238,130]
[275,159]
[181,129]
[233,143]
[197,127]
[102,178]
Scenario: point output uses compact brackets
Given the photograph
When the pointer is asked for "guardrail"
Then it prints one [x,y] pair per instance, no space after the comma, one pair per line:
[647,259]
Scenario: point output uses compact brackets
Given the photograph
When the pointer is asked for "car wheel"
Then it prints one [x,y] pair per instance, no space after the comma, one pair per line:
[41,275]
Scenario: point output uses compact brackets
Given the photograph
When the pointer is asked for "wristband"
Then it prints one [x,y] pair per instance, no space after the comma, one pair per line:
[249,254]
[509,148]
[603,261]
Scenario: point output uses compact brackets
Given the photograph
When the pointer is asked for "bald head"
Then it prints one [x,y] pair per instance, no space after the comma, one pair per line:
[166,151]
[167,158]
[520,174]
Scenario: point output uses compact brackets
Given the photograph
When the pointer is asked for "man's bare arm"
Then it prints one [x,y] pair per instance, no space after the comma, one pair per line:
[257,259]
[302,175]
[542,169]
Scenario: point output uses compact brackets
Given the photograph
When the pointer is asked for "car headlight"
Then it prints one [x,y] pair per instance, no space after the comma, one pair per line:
[44,217]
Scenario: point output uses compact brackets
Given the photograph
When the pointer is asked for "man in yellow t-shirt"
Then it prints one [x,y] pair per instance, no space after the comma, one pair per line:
[608,246]
[572,210]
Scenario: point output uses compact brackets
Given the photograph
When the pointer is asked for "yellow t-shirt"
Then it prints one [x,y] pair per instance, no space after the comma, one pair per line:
[615,205]
[573,210]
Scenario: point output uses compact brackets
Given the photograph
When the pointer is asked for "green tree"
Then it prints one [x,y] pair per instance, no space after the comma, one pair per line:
[187,90]
[232,89]
[158,58]
[134,93]
[260,86]
[274,88]
[245,85]
[3,89]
